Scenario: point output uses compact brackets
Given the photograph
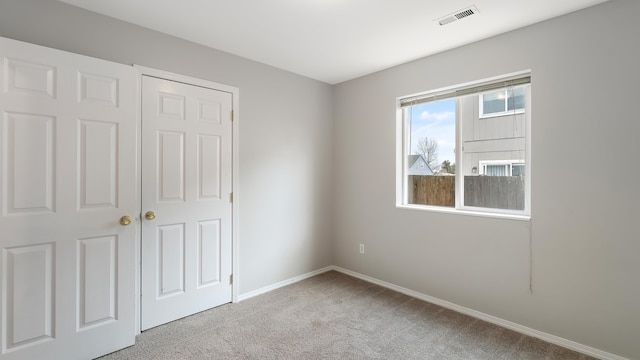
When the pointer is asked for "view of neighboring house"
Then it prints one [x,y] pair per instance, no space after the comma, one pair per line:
[492,145]
[417,165]
[493,132]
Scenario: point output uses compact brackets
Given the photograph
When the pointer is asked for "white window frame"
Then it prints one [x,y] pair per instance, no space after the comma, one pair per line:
[402,133]
[496,114]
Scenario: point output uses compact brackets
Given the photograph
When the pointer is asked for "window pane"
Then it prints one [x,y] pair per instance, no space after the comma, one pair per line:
[430,159]
[496,170]
[493,102]
[518,170]
[497,146]
[515,99]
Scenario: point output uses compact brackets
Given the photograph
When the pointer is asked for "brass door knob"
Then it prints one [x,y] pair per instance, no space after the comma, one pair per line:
[125,220]
[149,215]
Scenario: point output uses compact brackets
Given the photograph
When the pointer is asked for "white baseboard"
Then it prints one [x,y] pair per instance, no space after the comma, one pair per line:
[272,287]
[485,317]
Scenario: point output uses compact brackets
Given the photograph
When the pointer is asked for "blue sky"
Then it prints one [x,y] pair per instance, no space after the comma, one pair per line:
[435,120]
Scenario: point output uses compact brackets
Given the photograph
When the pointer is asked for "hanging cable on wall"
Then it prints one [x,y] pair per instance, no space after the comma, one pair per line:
[410,128]
[530,228]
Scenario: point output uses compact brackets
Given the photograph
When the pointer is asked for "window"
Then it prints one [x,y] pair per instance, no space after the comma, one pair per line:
[517,169]
[502,168]
[501,102]
[450,132]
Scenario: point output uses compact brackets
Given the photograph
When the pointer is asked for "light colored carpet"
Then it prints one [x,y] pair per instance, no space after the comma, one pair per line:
[335,316]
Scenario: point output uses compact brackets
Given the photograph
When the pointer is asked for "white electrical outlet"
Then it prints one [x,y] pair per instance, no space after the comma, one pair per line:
[361,248]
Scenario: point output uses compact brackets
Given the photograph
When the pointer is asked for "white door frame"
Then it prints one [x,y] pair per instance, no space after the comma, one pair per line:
[235,92]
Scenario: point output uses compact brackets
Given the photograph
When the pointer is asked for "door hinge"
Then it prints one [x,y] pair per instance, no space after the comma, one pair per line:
[232,116]
[231,197]
[231,279]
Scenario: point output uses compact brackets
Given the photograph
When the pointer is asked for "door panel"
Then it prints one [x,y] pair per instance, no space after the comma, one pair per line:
[209,252]
[186,182]
[171,166]
[30,159]
[29,308]
[209,171]
[170,260]
[97,284]
[98,166]
[67,170]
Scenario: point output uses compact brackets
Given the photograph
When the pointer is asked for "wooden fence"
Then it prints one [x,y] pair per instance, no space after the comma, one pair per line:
[432,190]
[496,192]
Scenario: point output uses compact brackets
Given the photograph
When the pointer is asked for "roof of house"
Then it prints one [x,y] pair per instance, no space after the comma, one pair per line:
[412,159]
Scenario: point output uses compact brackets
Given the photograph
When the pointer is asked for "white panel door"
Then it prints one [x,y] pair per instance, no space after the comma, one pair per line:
[186,183]
[67,170]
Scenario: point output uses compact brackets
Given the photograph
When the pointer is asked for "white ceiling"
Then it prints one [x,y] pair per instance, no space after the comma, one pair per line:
[331,40]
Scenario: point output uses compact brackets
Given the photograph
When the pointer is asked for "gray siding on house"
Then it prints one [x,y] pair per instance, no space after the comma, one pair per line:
[489,138]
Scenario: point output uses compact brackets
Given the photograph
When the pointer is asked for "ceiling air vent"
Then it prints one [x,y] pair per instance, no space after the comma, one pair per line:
[460,14]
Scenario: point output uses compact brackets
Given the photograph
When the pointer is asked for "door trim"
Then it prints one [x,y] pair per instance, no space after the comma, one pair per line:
[235,172]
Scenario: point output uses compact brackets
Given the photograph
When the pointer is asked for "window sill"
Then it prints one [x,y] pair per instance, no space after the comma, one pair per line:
[439,209]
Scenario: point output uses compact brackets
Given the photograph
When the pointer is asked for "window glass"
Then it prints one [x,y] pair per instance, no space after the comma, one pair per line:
[431,141]
[518,170]
[502,101]
[493,102]
[515,98]
[496,170]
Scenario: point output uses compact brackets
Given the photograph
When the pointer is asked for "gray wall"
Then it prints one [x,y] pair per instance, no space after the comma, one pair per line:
[585,237]
[285,131]
[586,202]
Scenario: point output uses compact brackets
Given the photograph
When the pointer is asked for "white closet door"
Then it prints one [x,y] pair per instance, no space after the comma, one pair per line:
[186,183]
[67,176]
